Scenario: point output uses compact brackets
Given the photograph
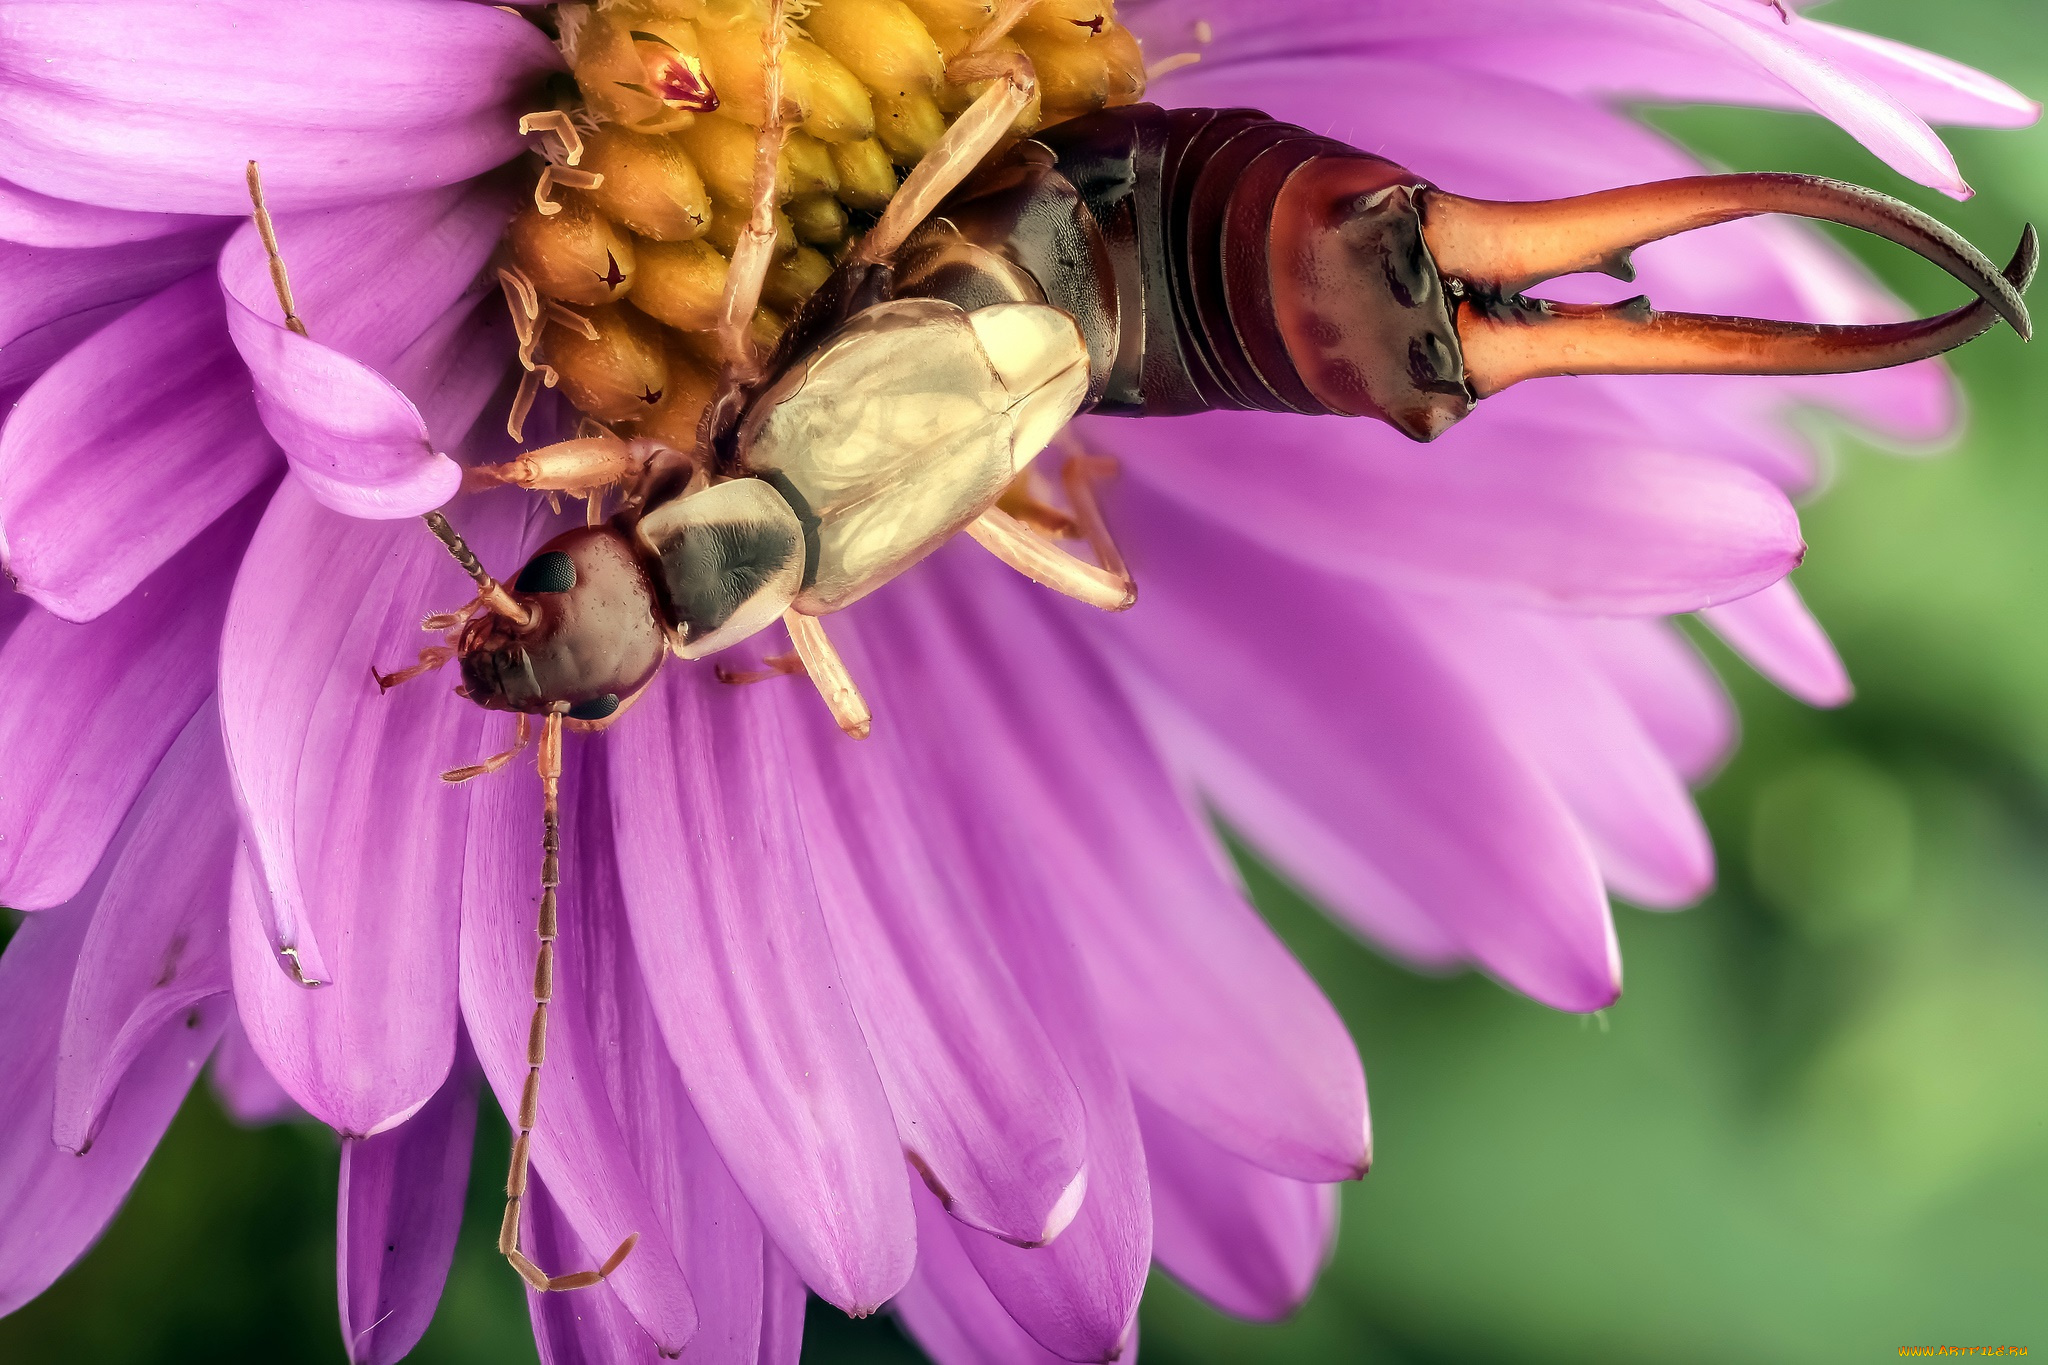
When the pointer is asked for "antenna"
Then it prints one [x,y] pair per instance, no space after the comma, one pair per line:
[489,591]
[267,230]
[537,1032]
[493,596]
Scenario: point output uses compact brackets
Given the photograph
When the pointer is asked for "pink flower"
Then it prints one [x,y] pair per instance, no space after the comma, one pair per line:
[1431,683]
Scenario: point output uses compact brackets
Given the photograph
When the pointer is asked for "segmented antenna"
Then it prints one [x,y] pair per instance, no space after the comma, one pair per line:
[489,591]
[537,1031]
[267,230]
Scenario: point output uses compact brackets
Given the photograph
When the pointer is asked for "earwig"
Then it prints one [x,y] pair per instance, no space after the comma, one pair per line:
[1134,262]
[1220,259]
[1131,262]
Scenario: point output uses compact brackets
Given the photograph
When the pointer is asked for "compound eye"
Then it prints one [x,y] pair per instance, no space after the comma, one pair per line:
[551,572]
[595,708]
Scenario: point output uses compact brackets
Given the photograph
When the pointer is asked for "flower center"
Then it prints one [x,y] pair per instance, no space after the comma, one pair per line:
[616,271]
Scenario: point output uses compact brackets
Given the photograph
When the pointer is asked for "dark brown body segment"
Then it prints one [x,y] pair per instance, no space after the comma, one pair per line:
[603,638]
[1221,259]
[1214,258]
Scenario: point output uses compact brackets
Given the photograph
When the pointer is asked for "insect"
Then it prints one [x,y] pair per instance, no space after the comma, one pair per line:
[1137,261]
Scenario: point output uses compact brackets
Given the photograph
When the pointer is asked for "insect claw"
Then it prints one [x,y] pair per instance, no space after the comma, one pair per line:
[1490,253]
[1508,340]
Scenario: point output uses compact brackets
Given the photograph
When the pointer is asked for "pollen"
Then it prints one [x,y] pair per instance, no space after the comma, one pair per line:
[643,171]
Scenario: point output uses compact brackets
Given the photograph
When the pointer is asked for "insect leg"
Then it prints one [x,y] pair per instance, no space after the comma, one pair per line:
[537,1031]
[577,466]
[450,620]
[755,250]
[1079,476]
[953,158]
[1107,585]
[1023,503]
[828,672]
[495,761]
[774,666]
[431,658]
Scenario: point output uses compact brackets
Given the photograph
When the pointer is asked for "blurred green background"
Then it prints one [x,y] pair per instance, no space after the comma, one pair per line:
[1815,1130]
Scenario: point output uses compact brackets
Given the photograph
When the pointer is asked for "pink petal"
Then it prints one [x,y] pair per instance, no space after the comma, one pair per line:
[1206,1009]
[1077,1296]
[356,442]
[456,367]
[1865,110]
[589,1326]
[1683,52]
[14,609]
[1932,86]
[24,359]
[1541,518]
[1561,713]
[399,1207]
[1361,735]
[742,1286]
[981,1103]
[1673,692]
[747,987]
[1596,50]
[149,106]
[606,1145]
[94,707]
[244,1086]
[358,842]
[1322,857]
[38,220]
[158,945]
[948,1307]
[1249,1241]
[783,1301]
[58,1203]
[370,279]
[1775,632]
[40,285]
[127,448]
[387,288]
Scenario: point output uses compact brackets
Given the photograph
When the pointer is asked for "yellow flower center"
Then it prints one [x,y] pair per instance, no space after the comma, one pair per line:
[617,269]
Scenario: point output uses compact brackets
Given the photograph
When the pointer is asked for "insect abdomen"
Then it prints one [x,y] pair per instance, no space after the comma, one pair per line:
[1180,194]
[1166,235]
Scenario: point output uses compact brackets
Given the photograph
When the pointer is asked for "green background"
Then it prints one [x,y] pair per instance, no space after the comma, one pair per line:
[1816,1129]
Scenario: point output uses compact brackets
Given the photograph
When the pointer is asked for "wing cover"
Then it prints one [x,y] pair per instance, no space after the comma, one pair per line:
[907,425]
